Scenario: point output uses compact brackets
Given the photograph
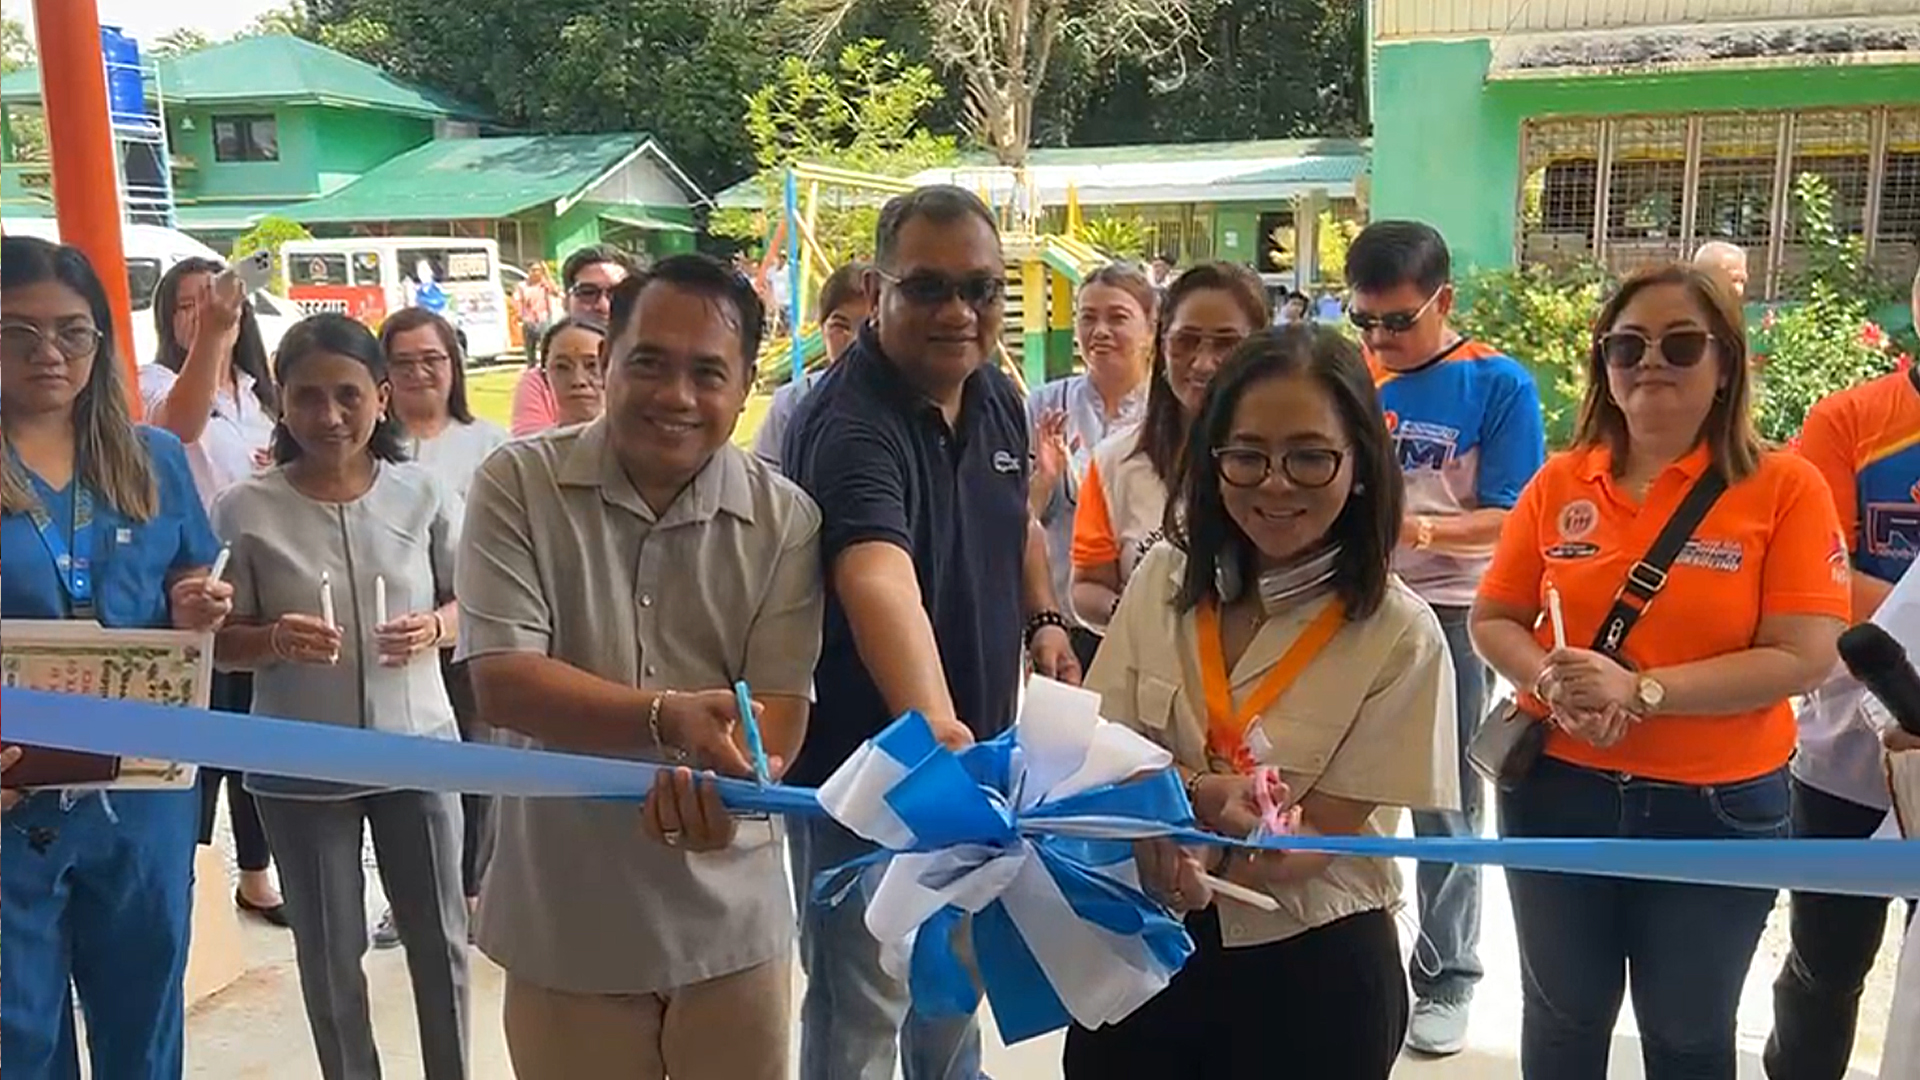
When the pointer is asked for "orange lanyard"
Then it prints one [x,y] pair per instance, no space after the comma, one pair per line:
[1226,727]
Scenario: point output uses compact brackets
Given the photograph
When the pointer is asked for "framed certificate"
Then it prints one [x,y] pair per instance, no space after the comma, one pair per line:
[157,667]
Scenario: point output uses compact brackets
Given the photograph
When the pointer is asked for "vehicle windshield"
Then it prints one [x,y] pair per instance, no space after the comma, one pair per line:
[143,279]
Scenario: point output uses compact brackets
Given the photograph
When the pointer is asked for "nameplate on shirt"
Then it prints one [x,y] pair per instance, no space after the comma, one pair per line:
[73,656]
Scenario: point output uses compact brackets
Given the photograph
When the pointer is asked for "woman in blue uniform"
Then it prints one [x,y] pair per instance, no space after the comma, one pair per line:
[99,520]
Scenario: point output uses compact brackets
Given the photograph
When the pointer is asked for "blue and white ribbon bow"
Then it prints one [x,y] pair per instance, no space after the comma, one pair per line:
[1026,833]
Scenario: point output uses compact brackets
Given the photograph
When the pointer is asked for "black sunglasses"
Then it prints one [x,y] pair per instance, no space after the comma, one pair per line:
[932,290]
[1393,322]
[1305,467]
[1679,348]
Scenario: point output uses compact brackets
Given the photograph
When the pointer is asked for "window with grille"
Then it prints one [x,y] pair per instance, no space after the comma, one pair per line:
[1651,188]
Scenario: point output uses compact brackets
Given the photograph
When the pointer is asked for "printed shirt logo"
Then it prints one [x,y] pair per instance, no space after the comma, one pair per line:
[1422,445]
[1725,556]
[1005,462]
[1837,561]
[1578,519]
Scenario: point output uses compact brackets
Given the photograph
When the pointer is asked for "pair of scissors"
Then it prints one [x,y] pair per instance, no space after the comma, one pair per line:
[1266,795]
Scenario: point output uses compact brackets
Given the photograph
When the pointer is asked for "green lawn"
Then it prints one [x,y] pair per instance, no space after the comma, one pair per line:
[490,394]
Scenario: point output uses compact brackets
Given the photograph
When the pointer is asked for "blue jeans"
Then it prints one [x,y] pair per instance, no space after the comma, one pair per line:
[856,1020]
[99,893]
[1445,961]
[1682,950]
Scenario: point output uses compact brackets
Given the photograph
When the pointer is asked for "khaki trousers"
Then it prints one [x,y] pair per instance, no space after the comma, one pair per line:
[735,1027]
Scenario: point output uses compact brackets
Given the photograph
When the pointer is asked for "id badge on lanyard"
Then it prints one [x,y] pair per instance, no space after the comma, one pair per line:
[69,550]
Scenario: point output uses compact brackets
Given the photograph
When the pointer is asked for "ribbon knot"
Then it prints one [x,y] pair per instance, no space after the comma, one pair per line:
[1013,858]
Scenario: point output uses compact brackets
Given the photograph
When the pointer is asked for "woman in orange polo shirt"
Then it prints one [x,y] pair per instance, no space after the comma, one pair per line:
[1688,735]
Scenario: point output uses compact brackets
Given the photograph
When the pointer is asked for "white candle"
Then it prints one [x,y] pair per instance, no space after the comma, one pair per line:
[326,599]
[220,564]
[379,600]
[1241,893]
[1558,620]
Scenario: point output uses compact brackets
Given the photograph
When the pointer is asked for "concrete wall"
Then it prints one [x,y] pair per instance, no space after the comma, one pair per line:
[321,150]
[1446,146]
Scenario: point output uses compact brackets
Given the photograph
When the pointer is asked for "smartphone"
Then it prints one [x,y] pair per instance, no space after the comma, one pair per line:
[254,271]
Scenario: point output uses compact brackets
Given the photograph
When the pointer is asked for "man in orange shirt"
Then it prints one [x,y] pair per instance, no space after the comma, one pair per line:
[1866,442]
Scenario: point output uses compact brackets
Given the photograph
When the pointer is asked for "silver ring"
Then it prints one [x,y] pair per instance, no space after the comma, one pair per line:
[670,837]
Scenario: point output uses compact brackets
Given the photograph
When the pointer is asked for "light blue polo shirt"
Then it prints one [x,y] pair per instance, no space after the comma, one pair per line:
[130,559]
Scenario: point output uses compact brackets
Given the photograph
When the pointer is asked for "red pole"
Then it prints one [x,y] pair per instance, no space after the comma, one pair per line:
[86,185]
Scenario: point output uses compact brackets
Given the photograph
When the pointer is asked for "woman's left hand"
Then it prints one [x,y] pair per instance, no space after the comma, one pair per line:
[402,639]
[197,602]
[1581,679]
[684,811]
[1172,875]
[1900,740]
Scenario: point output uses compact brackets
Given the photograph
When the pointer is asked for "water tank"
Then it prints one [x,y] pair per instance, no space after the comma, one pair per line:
[126,88]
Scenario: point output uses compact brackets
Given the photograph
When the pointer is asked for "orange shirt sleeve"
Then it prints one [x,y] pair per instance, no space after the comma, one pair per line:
[1806,570]
[1518,565]
[1830,441]
[1093,540]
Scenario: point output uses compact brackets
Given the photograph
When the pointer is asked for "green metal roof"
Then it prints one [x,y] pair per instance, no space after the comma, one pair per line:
[472,179]
[1148,153]
[1311,170]
[226,216]
[277,68]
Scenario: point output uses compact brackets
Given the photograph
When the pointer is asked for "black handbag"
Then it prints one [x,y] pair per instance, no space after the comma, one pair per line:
[1508,743]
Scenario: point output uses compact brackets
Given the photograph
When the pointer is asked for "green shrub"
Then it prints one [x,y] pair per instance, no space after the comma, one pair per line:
[1541,316]
[1120,237]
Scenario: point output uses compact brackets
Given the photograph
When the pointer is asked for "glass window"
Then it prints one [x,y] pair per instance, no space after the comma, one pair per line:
[246,138]
[143,278]
[449,263]
[366,268]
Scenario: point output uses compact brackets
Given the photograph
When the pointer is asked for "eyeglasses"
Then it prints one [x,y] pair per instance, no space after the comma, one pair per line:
[1186,343]
[588,292]
[932,290]
[1306,467]
[20,341]
[1393,322]
[417,365]
[1679,348]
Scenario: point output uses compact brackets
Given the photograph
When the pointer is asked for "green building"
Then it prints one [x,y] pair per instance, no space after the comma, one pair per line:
[280,125]
[1625,132]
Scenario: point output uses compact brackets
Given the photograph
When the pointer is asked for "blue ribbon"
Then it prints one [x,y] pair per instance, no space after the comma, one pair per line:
[946,800]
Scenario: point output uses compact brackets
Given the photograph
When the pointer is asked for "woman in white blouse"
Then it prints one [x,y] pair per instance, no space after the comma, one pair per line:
[428,370]
[1269,634]
[211,385]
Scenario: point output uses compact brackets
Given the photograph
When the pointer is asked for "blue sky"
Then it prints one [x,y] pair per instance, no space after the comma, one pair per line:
[146,20]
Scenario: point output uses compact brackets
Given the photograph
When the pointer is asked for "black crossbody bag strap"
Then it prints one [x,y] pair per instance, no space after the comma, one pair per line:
[1649,575]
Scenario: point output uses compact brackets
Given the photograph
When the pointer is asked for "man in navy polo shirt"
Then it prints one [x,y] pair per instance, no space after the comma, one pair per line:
[915,447]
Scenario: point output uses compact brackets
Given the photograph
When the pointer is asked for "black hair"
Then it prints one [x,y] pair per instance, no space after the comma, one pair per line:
[1387,254]
[702,275]
[941,204]
[1368,526]
[452,341]
[842,287]
[249,349]
[1163,428]
[331,332]
[113,460]
[594,255]
[571,322]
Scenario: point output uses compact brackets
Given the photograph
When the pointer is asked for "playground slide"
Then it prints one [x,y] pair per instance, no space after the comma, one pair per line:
[776,356]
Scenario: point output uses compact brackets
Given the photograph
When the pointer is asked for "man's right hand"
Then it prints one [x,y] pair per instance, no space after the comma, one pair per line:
[8,796]
[701,723]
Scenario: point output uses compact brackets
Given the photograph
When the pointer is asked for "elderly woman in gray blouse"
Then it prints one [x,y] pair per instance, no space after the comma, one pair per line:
[342,571]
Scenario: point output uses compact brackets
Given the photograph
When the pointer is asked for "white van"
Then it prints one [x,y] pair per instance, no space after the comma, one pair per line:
[371,277]
[150,250]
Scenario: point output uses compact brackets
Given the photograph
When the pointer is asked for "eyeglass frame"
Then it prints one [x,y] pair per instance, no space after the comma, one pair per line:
[1366,323]
[1650,343]
[953,290]
[1221,453]
[41,338]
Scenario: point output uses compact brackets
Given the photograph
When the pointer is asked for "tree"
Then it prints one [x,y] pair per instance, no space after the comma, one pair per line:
[865,113]
[292,18]
[1004,50]
[26,134]
[16,46]
[180,41]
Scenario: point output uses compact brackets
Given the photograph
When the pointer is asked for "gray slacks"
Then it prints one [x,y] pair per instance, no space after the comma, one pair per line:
[417,842]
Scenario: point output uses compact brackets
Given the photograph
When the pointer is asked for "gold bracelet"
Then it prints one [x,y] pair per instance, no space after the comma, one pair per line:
[653,725]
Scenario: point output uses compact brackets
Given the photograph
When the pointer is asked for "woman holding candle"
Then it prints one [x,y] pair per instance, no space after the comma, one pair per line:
[99,520]
[1661,724]
[340,519]
[211,385]
[1269,636]
[430,401]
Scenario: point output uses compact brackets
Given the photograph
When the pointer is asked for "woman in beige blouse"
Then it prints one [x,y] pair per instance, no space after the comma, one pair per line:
[1281,526]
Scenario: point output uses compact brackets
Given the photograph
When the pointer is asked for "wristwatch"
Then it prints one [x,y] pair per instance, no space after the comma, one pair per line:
[1648,695]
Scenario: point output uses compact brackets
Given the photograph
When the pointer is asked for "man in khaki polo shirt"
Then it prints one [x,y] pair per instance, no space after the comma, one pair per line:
[615,580]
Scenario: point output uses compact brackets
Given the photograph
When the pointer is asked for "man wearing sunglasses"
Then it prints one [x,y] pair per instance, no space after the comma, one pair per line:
[915,447]
[1467,428]
[588,277]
